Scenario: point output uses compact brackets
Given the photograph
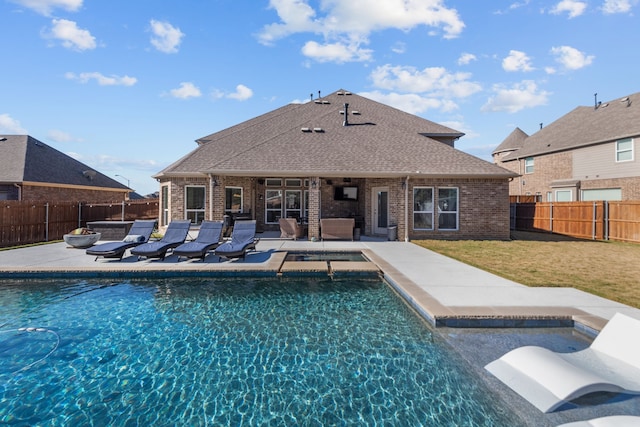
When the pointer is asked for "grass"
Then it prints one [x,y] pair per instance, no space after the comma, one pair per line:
[607,269]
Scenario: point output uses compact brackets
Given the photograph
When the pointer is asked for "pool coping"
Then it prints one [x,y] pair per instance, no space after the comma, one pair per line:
[473,299]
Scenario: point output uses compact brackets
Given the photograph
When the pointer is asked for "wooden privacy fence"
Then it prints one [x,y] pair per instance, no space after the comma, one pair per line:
[601,220]
[24,222]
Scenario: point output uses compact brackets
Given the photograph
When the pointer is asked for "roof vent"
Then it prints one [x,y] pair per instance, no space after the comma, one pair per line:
[346,115]
[89,174]
[355,112]
[305,129]
[3,139]
[319,130]
[627,100]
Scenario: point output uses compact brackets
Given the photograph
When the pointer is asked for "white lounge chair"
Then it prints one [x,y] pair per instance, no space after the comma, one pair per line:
[548,379]
[612,421]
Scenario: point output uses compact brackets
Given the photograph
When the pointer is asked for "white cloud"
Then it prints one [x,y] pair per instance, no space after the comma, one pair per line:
[466,58]
[345,26]
[617,6]
[166,38]
[60,136]
[185,91]
[399,48]
[242,93]
[9,125]
[515,98]
[335,52]
[435,80]
[410,102]
[512,6]
[45,7]
[517,61]
[572,7]
[71,36]
[101,79]
[571,58]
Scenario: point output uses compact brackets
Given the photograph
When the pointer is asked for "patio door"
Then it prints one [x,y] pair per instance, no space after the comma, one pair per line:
[380,211]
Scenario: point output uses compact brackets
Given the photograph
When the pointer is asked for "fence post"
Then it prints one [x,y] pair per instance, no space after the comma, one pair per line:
[46,222]
[551,217]
[593,222]
[122,216]
[605,222]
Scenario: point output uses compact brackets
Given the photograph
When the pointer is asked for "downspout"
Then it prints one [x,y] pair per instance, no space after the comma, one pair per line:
[19,191]
[406,209]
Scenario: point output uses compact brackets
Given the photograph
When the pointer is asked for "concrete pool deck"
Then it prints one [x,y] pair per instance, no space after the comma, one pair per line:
[445,291]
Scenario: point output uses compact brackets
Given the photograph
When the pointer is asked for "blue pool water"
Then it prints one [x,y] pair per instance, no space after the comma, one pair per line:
[273,352]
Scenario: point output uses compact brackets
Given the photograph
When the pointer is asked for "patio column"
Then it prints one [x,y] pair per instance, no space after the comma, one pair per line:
[314,208]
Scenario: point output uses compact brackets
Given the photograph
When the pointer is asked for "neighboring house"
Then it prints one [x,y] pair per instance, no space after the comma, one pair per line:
[31,170]
[341,155]
[587,154]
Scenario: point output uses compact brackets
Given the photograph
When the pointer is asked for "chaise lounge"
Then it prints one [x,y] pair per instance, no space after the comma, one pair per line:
[548,379]
[175,235]
[139,233]
[208,238]
[242,241]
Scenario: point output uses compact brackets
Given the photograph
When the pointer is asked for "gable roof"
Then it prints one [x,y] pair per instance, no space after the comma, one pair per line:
[583,126]
[25,159]
[514,141]
[311,138]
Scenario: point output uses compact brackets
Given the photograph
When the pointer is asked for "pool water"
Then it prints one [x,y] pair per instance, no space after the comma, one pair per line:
[325,256]
[273,352]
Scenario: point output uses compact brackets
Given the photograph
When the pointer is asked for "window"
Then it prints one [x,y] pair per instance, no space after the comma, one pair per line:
[273,206]
[165,205]
[422,208]
[528,165]
[233,200]
[447,208]
[293,204]
[564,195]
[602,194]
[195,202]
[274,182]
[293,182]
[624,150]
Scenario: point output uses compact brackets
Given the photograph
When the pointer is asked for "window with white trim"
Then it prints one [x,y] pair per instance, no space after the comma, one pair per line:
[293,204]
[195,203]
[528,165]
[624,150]
[233,200]
[422,208]
[165,205]
[273,206]
[448,208]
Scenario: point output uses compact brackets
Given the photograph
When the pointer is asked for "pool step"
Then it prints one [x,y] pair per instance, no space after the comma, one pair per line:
[331,268]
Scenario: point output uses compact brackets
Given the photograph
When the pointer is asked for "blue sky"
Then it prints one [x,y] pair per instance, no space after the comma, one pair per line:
[128,86]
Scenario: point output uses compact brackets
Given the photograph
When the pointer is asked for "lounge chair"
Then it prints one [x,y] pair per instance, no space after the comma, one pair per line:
[611,421]
[208,238]
[242,240]
[175,235]
[290,229]
[139,233]
[548,379]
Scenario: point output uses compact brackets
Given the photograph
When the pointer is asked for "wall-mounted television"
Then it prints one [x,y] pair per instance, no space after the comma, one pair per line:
[345,193]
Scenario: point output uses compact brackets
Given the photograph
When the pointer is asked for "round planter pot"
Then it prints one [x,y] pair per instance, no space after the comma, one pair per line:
[81,240]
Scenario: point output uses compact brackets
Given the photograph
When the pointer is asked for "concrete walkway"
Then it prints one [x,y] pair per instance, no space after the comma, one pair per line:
[445,291]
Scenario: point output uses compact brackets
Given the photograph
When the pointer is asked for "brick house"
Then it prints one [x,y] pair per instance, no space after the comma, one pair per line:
[341,155]
[32,170]
[587,154]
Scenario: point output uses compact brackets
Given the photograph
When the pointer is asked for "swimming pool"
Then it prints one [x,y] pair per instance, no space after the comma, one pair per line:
[247,351]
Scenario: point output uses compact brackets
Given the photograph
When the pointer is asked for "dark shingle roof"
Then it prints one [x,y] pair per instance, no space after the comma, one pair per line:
[379,141]
[584,126]
[25,159]
[514,141]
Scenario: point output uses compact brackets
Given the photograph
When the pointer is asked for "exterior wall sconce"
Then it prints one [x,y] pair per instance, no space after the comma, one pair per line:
[214,182]
[314,184]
